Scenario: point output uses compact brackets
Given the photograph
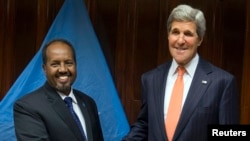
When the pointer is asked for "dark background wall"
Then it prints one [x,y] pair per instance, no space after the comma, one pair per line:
[133,37]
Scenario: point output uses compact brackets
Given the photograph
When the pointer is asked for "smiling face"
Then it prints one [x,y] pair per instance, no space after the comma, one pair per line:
[60,67]
[183,41]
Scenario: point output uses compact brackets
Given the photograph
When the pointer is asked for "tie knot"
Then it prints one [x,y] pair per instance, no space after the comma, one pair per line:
[181,70]
[68,101]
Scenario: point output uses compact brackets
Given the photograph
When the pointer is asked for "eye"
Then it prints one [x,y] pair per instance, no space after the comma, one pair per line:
[69,63]
[175,31]
[54,64]
[189,33]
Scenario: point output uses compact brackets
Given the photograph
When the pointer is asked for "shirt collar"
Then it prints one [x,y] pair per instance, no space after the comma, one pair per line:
[71,94]
[190,66]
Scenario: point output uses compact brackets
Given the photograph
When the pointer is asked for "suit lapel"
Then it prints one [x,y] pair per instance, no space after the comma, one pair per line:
[160,82]
[200,83]
[58,105]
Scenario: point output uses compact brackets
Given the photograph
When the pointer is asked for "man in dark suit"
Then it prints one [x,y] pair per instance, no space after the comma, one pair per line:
[43,114]
[209,95]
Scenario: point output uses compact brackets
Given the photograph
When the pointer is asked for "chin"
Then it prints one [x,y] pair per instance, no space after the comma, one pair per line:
[181,62]
[63,88]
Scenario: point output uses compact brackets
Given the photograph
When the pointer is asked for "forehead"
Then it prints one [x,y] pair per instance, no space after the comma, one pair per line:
[183,25]
[59,50]
[59,47]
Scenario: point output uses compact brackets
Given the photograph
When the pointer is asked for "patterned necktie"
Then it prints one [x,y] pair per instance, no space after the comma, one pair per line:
[68,101]
[175,104]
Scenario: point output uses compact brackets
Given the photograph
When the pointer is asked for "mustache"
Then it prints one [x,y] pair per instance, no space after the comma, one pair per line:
[58,74]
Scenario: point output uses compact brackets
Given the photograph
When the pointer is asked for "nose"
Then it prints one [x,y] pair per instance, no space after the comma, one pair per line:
[181,39]
[62,68]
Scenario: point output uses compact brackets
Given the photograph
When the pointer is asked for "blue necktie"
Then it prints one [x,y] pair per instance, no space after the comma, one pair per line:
[68,101]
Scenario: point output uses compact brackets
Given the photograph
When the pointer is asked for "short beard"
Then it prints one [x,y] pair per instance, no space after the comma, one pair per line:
[64,89]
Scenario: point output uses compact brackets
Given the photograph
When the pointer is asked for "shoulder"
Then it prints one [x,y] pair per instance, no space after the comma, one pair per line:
[214,73]
[159,70]
[83,96]
[32,102]
[210,68]
[34,95]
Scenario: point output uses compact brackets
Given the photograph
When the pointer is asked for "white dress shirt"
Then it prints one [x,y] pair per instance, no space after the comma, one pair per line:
[187,78]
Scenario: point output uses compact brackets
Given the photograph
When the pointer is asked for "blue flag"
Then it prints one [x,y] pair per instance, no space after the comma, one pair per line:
[93,77]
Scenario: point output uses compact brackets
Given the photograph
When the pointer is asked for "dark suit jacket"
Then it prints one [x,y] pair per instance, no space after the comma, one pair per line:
[212,99]
[43,115]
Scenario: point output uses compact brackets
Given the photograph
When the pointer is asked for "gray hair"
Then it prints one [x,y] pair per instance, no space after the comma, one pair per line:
[187,13]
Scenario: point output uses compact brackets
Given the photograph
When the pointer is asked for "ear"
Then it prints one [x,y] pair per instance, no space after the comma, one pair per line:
[200,41]
[44,69]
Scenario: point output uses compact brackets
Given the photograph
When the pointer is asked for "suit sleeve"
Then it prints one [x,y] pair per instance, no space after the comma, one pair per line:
[28,125]
[229,105]
[98,136]
[139,130]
